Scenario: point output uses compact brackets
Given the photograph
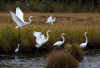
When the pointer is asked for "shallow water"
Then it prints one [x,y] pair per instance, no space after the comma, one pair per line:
[92,60]
[30,61]
[22,61]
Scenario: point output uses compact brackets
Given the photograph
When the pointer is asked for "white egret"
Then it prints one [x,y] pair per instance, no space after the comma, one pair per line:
[17,49]
[40,39]
[18,18]
[83,45]
[59,43]
[37,34]
[51,20]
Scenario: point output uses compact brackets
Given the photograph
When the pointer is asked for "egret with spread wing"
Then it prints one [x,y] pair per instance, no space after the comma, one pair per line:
[51,20]
[40,39]
[18,18]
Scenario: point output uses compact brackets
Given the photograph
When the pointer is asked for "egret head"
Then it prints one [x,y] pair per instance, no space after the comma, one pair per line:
[18,45]
[63,33]
[31,16]
[48,31]
[85,32]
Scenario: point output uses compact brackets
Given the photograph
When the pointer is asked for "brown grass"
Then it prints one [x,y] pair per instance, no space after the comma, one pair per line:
[74,25]
[75,50]
[61,59]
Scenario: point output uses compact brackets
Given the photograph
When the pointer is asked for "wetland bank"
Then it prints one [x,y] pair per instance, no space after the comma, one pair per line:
[72,24]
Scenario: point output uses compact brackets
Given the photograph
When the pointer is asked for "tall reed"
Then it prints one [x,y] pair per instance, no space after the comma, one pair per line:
[74,28]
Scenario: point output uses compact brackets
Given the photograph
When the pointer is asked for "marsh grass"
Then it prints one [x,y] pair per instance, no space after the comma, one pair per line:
[61,59]
[74,27]
[75,50]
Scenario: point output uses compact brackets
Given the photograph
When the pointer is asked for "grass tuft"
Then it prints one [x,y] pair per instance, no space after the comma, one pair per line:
[61,59]
[75,50]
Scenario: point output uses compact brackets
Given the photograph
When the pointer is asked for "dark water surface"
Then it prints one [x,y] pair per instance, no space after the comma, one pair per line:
[91,60]
[22,61]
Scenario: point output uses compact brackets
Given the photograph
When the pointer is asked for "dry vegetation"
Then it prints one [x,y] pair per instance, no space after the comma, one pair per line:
[74,50]
[74,25]
[61,59]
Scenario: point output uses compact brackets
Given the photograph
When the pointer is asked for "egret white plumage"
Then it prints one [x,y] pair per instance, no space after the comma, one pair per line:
[59,43]
[40,39]
[17,49]
[37,34]
[51,20]
[18,18]
[83,45]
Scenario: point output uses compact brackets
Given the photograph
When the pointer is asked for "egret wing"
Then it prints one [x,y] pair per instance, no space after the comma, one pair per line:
[19,14]
[37,34]
[82,45]
[58,43]
[16,19]
[49,19]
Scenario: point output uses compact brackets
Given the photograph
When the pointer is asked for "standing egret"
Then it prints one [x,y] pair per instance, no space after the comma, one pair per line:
[40,39]
[83,45]
[18,18]
[59,43]
[17,49]
[51,20]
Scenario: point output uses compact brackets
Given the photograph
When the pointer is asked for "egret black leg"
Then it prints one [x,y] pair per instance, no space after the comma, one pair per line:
[37,51]
[19,35]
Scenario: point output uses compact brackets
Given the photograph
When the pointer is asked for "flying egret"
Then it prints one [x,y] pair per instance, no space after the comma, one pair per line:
[40,39]
[17,49]
[51,20]
[83,45]
[59,43]
[18,18]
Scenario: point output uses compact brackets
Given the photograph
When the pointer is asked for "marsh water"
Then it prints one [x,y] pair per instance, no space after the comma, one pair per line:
[22,61]
[91,59]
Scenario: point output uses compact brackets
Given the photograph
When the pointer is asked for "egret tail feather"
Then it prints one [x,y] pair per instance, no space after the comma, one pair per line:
[37,45]
[16,27]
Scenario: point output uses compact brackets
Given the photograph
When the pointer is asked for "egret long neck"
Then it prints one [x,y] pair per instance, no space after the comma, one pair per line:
[29,20]
[47,36]
[63,39]
[86,39]
[18,46]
